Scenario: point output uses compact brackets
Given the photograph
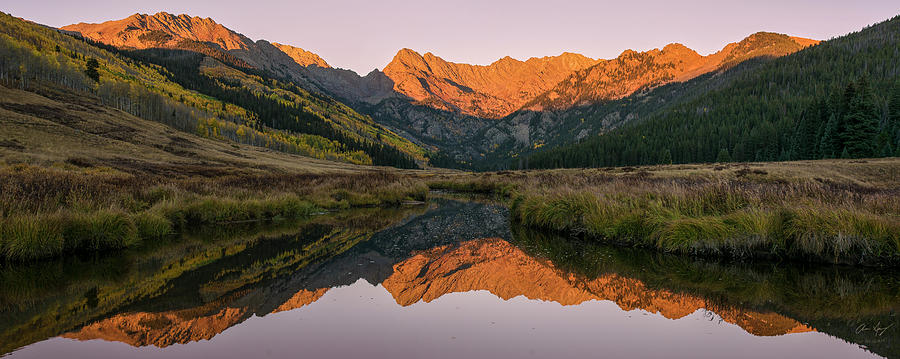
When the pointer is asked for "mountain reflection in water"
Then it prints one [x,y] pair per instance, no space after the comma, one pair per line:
[461,251]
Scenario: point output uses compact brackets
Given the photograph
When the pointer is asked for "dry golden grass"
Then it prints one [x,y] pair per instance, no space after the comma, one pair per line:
[879,173]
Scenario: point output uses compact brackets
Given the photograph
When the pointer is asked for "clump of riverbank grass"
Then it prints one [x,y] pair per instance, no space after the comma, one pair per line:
[43,236]
[212,210]
[152,225]
[393,194]
[28,238]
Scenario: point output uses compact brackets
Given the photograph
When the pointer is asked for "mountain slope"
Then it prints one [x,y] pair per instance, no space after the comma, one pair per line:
[445,106]
[62,127]
[491,91]
[203,35]
[563,81]
[164,30]
[632,71]
[751,112]
[440,103]
[301,56]
[39,59]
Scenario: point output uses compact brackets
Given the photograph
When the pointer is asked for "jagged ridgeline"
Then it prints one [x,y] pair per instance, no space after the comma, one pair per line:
[840,98]
[215,97]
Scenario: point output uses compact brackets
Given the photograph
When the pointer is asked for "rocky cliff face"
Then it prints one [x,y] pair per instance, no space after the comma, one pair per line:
[141,31]
[633,71]
[301,56]
[490,91]
[164,30]
[566,80]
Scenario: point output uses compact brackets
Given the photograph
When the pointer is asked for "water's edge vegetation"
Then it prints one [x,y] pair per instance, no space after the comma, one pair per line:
[48,212]
[748,215]
[772,211]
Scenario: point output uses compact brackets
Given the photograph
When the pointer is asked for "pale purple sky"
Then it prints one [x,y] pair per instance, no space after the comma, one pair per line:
[365,34]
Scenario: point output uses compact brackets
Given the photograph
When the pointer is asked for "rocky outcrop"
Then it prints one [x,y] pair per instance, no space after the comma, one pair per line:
[141,31]
[301,56]
[164,30]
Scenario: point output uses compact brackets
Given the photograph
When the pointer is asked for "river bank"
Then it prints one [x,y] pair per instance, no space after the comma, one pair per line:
[52,211]
[834,211]
[824,211]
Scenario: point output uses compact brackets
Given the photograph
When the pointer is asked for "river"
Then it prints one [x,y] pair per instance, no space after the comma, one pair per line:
[449,279]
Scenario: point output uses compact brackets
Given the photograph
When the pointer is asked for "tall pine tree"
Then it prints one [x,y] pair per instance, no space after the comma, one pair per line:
[860,130]
[805,143]
[830,145]
[892,127]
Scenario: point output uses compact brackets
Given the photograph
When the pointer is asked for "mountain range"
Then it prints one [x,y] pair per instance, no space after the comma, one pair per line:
[425,110]
[437,104]
[491,91]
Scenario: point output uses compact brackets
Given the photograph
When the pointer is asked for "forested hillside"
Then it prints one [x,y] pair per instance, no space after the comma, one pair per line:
[281,104]
[838,99]
[274,114]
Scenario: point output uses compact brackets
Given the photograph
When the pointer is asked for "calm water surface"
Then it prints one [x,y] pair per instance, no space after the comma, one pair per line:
[452,279]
